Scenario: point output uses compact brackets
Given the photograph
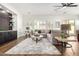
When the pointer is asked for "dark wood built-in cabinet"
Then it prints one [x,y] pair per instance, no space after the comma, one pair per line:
[6,26]
[6,36]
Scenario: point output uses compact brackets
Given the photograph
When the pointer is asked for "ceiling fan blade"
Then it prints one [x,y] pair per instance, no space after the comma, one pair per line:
[72,6]
[63,4]
[69,5]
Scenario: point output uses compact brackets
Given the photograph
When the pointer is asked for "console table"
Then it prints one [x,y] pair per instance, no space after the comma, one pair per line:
[62,42]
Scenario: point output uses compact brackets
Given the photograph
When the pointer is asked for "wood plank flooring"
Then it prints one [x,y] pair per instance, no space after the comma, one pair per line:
[74,51]
[8,45]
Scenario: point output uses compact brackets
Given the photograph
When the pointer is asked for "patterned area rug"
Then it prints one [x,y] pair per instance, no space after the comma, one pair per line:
[28,46]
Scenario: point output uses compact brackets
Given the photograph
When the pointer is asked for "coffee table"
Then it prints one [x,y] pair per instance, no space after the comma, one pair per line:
[37,38]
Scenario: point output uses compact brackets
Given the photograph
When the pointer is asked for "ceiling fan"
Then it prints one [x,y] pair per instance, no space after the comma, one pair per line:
[67,5]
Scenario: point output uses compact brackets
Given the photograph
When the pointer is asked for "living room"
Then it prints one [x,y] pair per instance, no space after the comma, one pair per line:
[53,24]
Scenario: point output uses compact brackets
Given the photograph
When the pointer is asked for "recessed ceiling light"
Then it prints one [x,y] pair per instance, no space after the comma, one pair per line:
[3,11]
[7,10]
[0,6]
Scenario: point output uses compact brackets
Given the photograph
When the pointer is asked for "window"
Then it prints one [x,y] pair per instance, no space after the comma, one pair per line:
[40,25]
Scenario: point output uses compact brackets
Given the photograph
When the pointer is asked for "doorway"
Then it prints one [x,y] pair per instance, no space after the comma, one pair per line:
[72,27]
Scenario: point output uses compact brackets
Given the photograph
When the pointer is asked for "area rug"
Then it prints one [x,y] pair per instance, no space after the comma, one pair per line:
[30,47]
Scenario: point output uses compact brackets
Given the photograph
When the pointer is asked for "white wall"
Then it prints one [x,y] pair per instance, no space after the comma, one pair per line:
[29,20]
[18,21]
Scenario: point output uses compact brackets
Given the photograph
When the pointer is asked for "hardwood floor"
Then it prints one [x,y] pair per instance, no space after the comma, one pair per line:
[73,51]
[8,45]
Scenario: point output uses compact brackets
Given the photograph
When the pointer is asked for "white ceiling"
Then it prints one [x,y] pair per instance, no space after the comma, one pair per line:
[44,9]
